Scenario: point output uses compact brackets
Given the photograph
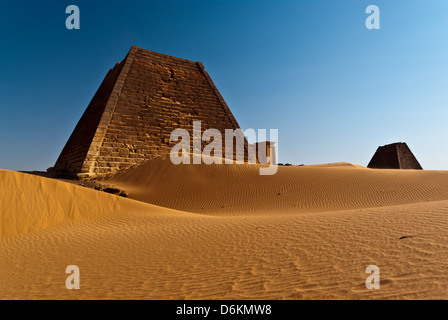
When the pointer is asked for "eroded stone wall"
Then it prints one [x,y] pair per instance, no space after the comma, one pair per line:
[140,102]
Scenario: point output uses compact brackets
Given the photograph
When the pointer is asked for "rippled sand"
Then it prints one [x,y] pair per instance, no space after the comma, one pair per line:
[225,232]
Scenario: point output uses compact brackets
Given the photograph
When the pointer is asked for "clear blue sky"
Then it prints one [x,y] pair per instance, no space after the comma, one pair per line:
[310,68]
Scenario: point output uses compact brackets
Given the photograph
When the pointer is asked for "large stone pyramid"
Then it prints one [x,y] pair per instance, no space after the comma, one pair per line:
[139,103]
[394,156]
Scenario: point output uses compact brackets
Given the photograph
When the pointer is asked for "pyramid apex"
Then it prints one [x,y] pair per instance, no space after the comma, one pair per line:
[134,111]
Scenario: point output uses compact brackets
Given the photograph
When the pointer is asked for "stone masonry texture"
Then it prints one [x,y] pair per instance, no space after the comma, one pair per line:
[139,103]
[394,156]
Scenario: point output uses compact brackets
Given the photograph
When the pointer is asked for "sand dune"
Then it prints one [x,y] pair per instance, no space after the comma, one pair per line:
[258,246]
[239,189]
[31,203]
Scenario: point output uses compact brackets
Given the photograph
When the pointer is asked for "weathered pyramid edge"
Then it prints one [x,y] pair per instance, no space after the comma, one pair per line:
[97,141]
[87,167]
[218,94]
[399,149]
[413,158]
[65,164]
[200,65]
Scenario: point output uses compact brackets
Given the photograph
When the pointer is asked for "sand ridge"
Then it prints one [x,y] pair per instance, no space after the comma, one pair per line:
[257,247]
[239,189]
[31,203]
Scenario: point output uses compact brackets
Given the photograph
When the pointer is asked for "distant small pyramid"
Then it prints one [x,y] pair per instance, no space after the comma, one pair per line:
[394,156]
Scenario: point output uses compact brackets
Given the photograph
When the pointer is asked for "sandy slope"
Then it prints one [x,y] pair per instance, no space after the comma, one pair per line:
[239,189]
[257,246]
[31,203]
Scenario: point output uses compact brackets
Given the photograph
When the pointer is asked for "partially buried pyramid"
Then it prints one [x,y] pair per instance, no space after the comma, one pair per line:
[394,156]
[139,103]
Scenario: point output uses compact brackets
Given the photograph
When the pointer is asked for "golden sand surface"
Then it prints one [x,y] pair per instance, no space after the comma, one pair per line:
[225,232]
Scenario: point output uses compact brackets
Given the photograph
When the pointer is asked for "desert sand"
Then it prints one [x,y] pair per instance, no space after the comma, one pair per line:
[225,232]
